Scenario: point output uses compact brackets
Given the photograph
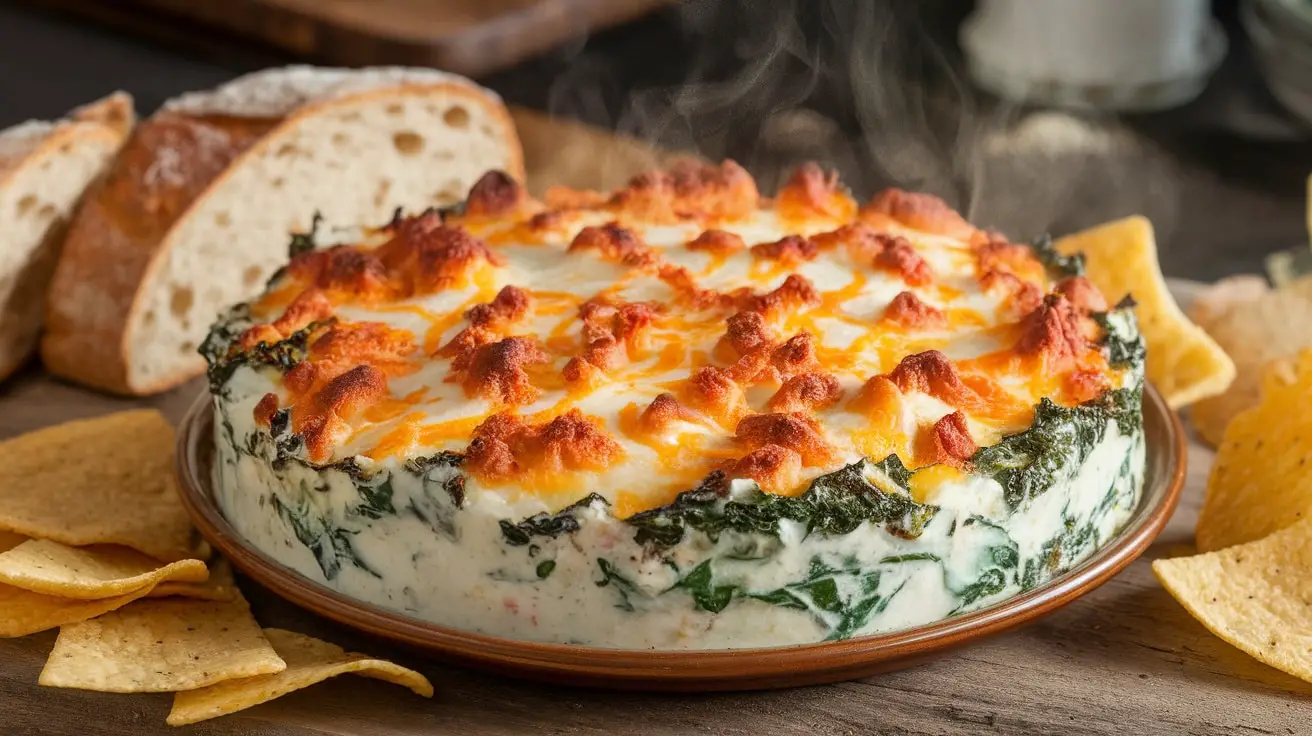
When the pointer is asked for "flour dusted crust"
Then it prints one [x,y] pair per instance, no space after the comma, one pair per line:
[680,414]
[177,161]
[277,93]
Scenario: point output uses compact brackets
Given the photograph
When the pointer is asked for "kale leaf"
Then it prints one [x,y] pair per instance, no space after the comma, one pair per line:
[836,503]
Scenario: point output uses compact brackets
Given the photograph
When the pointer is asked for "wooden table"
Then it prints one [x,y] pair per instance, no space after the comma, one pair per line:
[1126,659]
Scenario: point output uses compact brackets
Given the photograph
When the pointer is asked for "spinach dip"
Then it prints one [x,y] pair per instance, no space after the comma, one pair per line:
[680,415]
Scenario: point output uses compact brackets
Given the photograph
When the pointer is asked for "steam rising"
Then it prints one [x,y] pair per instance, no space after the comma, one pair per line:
[867,89]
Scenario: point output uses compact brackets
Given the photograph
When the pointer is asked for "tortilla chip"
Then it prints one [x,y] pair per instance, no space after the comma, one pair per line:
[9,540]
[107,480]
[161,645]
[308,661]
[219,587]
[1262,478]
[1256,596]
[23,612]
[1121,258]
[101,571]
[1214,300]
[1254,331]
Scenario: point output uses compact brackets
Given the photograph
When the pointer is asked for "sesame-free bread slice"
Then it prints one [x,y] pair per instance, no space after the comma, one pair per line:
[45,166]
[195,214]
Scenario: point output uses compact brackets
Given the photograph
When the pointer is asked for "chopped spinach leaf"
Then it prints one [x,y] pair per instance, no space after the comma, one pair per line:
[286,448]
[781,597]
[305,242]
[375,489]
[990,583]
[836,503]
[1005,557]
[280,422]
[283,354]
[892,468]
[708,596]
[1058,553]
[548,525]
[442,492]
[214,348]
[622,585]
[453,483]
[1121,337]
[1060,266]
[544,569]
[329,544]
[377,499]
[913,557]
[843,598]
[1056,444]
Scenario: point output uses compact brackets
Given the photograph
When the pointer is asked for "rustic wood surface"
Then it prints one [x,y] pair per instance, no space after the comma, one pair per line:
[1125,659]
[471,37]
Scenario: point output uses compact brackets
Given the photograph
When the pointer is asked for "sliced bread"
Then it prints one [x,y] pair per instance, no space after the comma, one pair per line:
[196,212]
[44,169]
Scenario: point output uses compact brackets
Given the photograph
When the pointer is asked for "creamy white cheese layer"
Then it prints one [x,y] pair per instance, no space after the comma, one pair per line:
[597,586]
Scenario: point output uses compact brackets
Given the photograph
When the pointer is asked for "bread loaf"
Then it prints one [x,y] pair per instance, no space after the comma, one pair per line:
[44,169]
[196,212]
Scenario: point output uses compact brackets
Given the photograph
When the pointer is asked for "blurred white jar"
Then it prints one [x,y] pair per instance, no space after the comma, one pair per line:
[1113,54]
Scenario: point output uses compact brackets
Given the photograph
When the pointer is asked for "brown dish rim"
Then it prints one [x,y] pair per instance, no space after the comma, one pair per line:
[693,670]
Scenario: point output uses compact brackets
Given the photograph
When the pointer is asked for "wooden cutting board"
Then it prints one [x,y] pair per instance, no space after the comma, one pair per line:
[470,37]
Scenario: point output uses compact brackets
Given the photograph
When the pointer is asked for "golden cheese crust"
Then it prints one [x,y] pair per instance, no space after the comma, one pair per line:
[679,325]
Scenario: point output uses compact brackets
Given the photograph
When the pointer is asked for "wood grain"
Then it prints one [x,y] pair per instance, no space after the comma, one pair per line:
[471,37]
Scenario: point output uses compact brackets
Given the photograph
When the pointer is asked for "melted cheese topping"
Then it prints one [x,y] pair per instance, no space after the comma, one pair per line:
[630,344]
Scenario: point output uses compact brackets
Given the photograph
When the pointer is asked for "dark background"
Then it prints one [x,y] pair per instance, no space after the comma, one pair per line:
[874,89]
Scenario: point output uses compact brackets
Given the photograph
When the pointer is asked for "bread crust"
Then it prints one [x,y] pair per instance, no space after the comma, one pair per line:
[106,121]
[116,245]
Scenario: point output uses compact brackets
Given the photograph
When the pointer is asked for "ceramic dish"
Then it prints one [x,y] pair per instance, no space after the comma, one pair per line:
[741,669]
[1084,40]
[1282,45]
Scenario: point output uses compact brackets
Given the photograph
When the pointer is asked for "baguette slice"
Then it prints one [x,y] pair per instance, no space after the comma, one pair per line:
[44,169]
[195,214]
